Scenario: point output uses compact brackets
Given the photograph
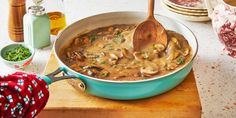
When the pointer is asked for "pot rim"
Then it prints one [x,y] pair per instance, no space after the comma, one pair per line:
[136,81]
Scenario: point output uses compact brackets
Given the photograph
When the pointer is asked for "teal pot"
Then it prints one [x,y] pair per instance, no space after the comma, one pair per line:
[122,90]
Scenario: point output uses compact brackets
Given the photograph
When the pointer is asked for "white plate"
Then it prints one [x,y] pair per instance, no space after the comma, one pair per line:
[183,12]
[184,9]
[199,6]
[187,5]
[187,17]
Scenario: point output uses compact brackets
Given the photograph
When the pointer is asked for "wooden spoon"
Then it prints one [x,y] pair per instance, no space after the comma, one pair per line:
[149,32]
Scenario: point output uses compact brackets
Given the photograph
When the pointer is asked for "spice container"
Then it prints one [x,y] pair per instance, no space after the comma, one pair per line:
[55,11]
[36,27]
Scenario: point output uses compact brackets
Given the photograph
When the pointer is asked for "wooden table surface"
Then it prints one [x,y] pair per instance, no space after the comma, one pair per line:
[67,102]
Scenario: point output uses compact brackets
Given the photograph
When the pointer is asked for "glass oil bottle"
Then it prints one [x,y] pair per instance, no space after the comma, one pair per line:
[55,11]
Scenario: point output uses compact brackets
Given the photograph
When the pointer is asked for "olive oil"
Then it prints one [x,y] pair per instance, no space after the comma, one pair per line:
[57,22]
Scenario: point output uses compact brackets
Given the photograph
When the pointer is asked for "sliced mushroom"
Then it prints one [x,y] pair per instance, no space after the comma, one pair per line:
[185,49]
[108,37]
[80,56]
[104,74]
[172,51]
[89,72]
[138,56]
[116,31]
[122,40]
[100,45]
[113,59]
[113,56]
[77,41]
[137,74]
[125,53]
[171,66]
[102,54]
[99,33]
[155,54]
[93,67]
[110,29]
[119,77]
[91,55]
[158,47]
[75,55]
[185,52]
[113,62]
[92,70]
[173,55]
[148,71]
[68,54]
[102,59]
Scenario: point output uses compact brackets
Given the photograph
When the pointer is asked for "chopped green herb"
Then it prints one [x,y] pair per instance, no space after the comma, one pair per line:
[97,56]
[118,39]
[114,66]
[155,46]
[92,38]
[180,60]
[94,62]
[104,74]
[103,62]
[118,32]
[17,54]
[110,47]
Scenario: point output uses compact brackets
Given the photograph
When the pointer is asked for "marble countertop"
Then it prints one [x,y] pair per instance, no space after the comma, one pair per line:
[215,72]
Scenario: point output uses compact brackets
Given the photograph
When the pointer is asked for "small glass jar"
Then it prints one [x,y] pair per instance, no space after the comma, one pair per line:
[55,11]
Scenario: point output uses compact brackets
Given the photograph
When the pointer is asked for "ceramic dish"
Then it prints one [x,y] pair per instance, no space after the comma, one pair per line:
[190,18]
[183,12]
[121,90]
[195,18]
[184,9]
[16,64]
[188,4]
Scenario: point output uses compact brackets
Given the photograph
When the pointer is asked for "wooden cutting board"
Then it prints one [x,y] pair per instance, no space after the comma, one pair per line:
[68,102]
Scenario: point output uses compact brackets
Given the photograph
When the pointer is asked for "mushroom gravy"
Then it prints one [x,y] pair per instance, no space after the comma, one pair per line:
[107,53]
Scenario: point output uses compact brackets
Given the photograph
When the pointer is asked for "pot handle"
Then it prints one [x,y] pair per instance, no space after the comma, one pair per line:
[50,78]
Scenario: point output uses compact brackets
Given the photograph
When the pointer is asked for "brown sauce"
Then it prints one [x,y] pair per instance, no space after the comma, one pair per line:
[107,53]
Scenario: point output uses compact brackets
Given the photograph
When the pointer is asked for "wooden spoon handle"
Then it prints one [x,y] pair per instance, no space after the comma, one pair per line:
[151,8]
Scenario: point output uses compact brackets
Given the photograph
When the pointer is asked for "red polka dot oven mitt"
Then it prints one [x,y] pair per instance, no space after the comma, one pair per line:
[22,95]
